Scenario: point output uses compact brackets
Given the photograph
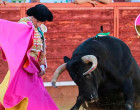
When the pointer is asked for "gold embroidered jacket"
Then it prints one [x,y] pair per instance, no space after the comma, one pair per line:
[38,50]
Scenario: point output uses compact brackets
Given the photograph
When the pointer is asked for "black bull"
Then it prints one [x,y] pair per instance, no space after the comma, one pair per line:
[102,66]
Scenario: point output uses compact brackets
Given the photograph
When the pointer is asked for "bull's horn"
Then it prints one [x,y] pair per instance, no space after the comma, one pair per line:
[57,73]
[90,58]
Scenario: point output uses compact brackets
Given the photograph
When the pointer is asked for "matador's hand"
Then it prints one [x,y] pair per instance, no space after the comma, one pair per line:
[42,73]
[42,67]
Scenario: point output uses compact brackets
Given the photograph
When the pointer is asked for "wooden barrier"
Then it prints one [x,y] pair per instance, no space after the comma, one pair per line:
[74,23]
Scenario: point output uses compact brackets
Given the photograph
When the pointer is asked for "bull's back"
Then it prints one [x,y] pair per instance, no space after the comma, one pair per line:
[105,47]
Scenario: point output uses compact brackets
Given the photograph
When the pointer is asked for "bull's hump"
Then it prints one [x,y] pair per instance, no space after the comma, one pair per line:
[87,46]
[96,45]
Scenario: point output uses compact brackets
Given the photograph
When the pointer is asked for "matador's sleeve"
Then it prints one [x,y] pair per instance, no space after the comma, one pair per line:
[42,59]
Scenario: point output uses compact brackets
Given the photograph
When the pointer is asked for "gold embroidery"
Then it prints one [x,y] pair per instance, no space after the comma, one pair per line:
[37,48]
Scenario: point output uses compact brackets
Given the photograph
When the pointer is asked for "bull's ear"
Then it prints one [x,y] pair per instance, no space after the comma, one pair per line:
[66,59]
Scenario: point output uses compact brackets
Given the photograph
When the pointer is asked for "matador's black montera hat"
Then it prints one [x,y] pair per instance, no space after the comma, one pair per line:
[40,12]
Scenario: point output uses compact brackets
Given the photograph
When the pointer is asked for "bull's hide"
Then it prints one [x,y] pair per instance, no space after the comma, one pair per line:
[105,72]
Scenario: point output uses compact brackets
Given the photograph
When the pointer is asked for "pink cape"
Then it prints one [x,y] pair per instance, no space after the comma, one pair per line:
[15,42]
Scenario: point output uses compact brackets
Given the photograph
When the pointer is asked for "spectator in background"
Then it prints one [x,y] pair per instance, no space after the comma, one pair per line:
[3,2]
[76,1]
[32,1]
[122,0]
[93,1]
[56,1]
[135,0]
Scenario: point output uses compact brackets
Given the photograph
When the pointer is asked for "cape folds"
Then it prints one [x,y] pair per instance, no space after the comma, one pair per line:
[22,88]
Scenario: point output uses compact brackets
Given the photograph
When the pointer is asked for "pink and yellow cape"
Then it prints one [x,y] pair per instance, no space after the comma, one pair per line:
[22,88]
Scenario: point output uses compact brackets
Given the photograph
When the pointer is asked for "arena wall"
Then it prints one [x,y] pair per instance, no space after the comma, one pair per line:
[73,24]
